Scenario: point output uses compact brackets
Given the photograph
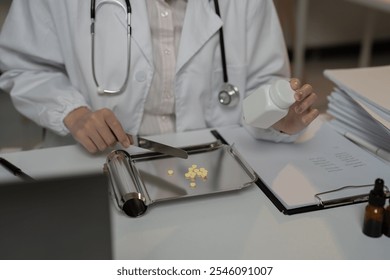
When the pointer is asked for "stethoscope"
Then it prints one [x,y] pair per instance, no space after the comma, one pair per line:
[127,9]
[228,95]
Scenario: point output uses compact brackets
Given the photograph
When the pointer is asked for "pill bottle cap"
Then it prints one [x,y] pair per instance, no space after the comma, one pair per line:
[377,195]
[282,94]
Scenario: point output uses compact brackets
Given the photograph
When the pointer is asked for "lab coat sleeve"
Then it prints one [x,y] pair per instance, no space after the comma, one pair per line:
[32,64]
[268,53]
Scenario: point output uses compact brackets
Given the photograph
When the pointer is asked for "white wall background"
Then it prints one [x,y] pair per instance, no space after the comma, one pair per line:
[331,22]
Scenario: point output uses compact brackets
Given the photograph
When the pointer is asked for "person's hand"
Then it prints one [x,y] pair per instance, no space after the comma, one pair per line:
[301,113]
[96,131]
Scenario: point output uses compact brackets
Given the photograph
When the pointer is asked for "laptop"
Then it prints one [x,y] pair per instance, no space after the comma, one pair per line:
[56,219]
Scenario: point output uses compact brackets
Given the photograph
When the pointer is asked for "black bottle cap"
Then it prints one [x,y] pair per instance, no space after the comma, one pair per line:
[134,207]
[377,195]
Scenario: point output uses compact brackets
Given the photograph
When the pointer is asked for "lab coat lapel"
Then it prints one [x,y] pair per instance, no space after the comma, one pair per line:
[200,23]
[141,29]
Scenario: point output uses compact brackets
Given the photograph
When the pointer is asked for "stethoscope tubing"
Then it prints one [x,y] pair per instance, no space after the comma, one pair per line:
[228,95]
[127,10]
[222,45]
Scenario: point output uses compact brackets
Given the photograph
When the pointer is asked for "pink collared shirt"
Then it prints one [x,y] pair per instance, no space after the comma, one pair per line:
[166,19]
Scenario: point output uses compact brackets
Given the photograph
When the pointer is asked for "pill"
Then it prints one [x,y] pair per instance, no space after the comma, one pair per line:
[193,172]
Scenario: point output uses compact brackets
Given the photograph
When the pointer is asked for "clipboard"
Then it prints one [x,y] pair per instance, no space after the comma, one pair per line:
[323,203]
[320,170]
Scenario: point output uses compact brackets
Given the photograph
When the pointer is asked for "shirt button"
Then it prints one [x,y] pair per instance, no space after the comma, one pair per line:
[140,76]
[164,13]
[167,52]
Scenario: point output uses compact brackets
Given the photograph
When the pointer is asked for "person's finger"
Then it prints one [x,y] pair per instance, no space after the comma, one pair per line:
[82,137]
[93,128]
[117,129]
[96,137]
[106,134]
[89,145]
[303,92]
[131,139]
[310,116]
[295,83]
[306,103]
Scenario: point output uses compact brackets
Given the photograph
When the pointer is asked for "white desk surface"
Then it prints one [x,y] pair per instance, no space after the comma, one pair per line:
[237,225]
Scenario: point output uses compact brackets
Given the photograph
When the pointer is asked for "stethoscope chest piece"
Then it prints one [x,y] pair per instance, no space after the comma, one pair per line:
[229,95]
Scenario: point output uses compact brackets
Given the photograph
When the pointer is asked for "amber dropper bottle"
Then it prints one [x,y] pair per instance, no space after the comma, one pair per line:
[374,213]
[386,221]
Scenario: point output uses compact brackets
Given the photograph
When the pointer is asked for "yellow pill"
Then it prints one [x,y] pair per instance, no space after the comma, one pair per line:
[192,184]
[170,172]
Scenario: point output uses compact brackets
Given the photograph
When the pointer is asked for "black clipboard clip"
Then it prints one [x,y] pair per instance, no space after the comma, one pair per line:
[347,199]
[323,202]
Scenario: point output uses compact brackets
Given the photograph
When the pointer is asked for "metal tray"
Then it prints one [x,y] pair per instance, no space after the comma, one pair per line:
[141,180]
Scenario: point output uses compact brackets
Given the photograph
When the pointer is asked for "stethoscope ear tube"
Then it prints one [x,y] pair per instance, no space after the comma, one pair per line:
[127,10]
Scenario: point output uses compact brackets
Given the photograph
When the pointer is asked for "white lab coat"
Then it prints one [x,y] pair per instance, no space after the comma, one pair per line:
[45,54]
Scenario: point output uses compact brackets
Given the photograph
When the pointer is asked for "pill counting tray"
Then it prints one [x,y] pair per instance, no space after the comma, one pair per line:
[140,180]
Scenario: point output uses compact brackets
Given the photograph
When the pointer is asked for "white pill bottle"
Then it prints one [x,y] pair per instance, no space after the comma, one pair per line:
[267,105]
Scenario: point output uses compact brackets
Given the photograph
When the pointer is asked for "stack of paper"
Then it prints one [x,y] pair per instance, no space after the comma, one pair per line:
[360,105]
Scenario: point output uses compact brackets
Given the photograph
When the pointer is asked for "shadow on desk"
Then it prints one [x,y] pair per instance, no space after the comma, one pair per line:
[57,218]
